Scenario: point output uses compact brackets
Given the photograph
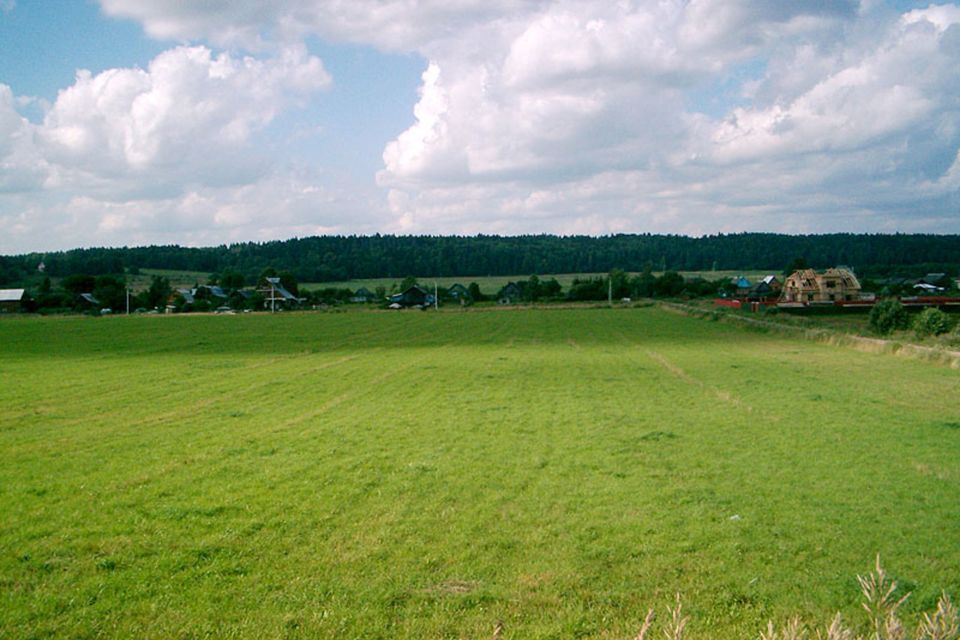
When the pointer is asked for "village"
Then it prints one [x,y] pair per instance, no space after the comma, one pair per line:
[836,288]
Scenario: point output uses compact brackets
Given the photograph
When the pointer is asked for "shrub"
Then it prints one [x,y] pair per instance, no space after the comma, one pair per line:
[931,322]
[888,315]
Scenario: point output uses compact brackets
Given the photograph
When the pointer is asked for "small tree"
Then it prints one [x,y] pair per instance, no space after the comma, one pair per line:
[474,290]
[887,316]
[931,322]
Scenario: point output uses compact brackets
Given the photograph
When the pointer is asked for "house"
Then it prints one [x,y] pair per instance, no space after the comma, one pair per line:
[510,294]
[11,300]
[936,279]
[275,295]
[459,293]
[213,290]
[413,296]
[767,287]
[833,285]
[186,294]
[743,285]
[363,295]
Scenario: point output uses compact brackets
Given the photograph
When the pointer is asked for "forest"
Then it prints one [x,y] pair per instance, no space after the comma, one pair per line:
[337,258]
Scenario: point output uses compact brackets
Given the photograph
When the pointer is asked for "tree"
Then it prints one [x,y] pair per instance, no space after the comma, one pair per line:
[78,283]
[669,284]
[550,288]
[619,284]
[289,282]
[158,292]
[642,285]
[474,290]
[111,292]
[797,264]
[231,280]
[531,289]
[931,322]
[888,316]
[406,283]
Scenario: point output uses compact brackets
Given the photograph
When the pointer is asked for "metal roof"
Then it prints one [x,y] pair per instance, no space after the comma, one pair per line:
[11,295]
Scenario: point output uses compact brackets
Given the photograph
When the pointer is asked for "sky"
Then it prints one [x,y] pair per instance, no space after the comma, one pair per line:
[133,122]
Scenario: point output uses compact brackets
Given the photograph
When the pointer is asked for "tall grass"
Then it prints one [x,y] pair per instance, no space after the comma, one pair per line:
[880,601]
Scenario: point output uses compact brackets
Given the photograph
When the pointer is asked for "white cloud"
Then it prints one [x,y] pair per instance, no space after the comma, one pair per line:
[584,120]
[122,139]
[186,117]
[533,115]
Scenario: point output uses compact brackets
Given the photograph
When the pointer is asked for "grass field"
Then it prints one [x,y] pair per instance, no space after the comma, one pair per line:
[490,285]
[423,475]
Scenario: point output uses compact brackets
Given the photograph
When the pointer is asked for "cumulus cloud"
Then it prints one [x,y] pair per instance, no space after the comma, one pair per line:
[570,116]
[185,117]
[584,119]
[126,137]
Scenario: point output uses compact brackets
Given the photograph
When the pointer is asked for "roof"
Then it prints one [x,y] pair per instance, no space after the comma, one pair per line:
[217,291]
[279,291]
[187,295]
[363,291]
[511,288]
[89,298]
[769,279]
[11,295]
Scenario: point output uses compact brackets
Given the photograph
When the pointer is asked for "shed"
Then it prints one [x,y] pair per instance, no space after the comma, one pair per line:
[11,300]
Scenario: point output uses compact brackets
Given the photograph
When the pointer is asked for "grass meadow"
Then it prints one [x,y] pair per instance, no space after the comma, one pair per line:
[424,475]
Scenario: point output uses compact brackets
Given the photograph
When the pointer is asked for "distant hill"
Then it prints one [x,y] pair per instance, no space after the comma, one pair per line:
[333,258]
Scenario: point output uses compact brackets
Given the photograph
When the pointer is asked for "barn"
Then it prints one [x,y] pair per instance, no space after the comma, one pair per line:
[11,300]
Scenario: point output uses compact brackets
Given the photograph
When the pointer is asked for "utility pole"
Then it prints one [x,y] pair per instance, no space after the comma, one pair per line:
[610,290]
[273,298]
[436,298]
[128,300]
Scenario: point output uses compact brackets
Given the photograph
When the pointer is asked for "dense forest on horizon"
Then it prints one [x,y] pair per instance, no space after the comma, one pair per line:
[334,258]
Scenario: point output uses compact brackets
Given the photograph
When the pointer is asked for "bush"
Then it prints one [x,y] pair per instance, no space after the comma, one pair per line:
[931,322]
[887,316]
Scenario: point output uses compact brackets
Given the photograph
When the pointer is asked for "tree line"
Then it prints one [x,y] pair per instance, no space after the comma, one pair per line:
[336,258]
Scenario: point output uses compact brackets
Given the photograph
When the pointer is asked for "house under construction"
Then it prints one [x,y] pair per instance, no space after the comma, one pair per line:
[833,285]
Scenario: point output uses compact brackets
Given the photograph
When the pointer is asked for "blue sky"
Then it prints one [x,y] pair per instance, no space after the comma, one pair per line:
[201,123]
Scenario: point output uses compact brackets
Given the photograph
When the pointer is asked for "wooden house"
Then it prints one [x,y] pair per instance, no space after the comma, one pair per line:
[459,293]
[767,287]
[833,285]
[510,294]
[414,296]
[363,295]
[743,286]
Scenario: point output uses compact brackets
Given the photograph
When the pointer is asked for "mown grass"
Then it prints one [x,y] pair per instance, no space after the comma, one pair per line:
[423,475]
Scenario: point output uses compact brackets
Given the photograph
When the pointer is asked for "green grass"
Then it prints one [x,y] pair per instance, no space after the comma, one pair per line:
[422,475]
